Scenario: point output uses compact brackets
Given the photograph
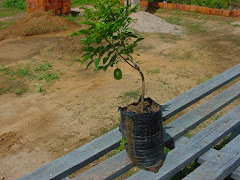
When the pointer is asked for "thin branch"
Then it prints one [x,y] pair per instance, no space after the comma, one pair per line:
[121,55]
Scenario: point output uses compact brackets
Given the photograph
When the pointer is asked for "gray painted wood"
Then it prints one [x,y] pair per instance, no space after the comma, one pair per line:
[236,174]
[180,126]
[197,145]
[108,169]
[80,157]
[181,141]
[71,162]
[211,153]
[219,166]
[192,96]
[208,155]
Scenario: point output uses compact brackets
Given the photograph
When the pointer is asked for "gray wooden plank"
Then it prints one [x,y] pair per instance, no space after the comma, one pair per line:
[180,126]
[71,162]
[80,157]
[181,141]
[108,169]
[213,153]
[208,155]
[221,165]
[236,174]
[185,100]
[179,157]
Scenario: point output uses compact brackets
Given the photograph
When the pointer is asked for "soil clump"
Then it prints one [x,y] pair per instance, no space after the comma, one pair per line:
[36,23]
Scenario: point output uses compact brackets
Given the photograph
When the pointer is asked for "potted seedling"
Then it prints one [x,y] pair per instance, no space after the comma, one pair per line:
[107,41]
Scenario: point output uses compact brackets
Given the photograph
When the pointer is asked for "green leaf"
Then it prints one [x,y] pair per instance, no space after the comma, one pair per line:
[85,58]
[88,49]
[84,31]
[139,39]
[83,7]
[74,34]
[109,46]
[88,23]
[113,60]
[105,59]
[89,64]
[130,34]
[98,68]
[134,8]
[98,40]
[97,61]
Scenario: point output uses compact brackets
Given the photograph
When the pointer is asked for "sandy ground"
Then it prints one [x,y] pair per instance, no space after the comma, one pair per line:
[36,128]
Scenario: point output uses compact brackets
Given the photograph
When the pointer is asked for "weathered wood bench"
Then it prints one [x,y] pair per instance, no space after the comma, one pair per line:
[215,164]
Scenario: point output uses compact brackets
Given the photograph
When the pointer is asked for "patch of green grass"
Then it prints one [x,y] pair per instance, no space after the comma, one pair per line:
[5,14]
[195,28]
[19,4]
[83,2]
[166,150]
[174,20]
[169,38]
[187,170]
[9,11]
[17,74]
[179,15]
[206,78]
[153,71]
[186,56]
[5,24]
[41,89]
[43,67]
[222,143]
[18,91]
[77,19]
[188,135]
[236,25]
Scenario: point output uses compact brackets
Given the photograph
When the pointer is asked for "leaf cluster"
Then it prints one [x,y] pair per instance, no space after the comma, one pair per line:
[108,39]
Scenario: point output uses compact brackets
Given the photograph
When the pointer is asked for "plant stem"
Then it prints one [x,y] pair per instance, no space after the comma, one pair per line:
[135,66]
[143,82]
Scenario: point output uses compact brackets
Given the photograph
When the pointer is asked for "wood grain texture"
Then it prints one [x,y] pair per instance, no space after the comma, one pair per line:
[221,165]
[178,127]
[108,169]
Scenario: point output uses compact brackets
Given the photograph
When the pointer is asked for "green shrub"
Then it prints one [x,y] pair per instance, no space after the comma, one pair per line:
[220,4]
[19,4]
[83,2]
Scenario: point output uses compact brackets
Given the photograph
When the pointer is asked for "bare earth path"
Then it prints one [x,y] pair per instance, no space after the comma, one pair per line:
[36,128]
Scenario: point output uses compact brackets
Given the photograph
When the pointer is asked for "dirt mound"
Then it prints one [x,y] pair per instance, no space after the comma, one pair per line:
[146,22]
[68,46]
[37,23]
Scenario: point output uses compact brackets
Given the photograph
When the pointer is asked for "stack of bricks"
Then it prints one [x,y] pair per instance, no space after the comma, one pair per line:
[57,7]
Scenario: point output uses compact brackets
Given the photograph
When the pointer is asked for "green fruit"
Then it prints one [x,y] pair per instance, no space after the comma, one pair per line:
[117,74]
